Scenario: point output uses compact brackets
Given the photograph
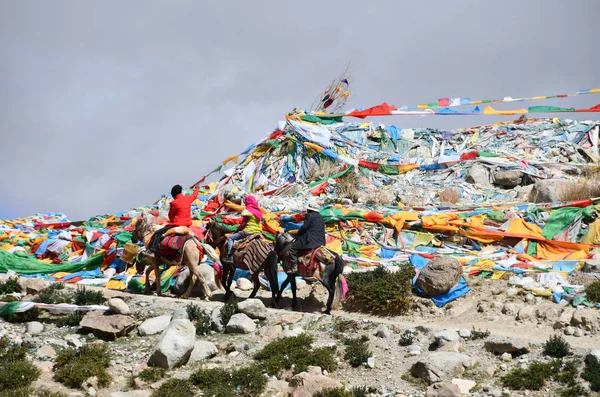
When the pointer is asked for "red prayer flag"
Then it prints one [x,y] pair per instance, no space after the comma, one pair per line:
[443,102]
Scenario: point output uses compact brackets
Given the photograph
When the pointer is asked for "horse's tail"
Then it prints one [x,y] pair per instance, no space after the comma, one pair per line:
[211,253]
[341,286]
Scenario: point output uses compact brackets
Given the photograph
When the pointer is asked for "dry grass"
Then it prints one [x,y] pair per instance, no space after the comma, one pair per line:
[321,171]
[580,191]
[449,195]
[349,186]
[378,196]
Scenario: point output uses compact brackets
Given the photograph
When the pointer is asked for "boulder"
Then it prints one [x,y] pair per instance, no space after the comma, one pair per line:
[549,190]
[464,333]
[565,318]
[253,308]
[440,275]
[438,366]
[465,385]
[118,306]
[307,384]
[45,352]
[513,346]
[291,318]
[527,313]
[508,178]
[271,332]
[383,332]
[593,357]
[216,322]
[175,345]
[109,326]
[244,284]
[180,313]
[447,335]
[586,318]
[240,324]
[32,286]
[155,325]
[181,283]
[203,350]
[35,328]
[478,175]
[443,389]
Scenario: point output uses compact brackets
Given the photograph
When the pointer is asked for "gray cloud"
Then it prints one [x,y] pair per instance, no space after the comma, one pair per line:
[105,105]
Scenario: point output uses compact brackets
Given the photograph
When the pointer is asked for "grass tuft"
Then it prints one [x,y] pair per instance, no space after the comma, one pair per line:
[16,372]
[357,351]
[557,347]
[175,388]
[246,381]
[152,374]
[85,297]
[73,367]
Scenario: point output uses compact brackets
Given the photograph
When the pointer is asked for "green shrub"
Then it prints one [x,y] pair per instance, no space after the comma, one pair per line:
[72,320]
[229,309]
[54,295]
[9,298]
[47,393]
[592,292]
[381,291]
[26,316]
[73,367]
[407,338]
[175,388]
[357,351]
[479,334]
[532,378]
[152,374]
[295,353]
[21,392]
[16,372]
[339,392]
[247,381]
[557,347]
[591,373]
[193,311]
[574,391]
[201,319]
[9,286]
[84,297]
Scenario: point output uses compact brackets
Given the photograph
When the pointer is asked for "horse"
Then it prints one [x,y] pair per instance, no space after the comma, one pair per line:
[328,275]
[258,255]
[144,229]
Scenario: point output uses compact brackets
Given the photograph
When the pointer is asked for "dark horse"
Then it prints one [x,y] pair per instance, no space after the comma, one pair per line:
[330,273]
[216,237]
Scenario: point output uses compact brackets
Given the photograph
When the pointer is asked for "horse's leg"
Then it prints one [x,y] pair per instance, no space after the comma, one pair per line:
[294,300]
[148,289]
[283,287]
[230,281]
[271,273]
[331,290]
[156,268]
[256,285]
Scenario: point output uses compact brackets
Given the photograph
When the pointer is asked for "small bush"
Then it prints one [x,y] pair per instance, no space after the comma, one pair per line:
[341,327]
[9,286]
[48,393]
[297,353]
[591,373]
[152,374]
[193,311]
[574,391]
[449,195]
[532,378]
[200,318]
[479,334]
[246,381]
[557,347]
[72,320]
[380,291]
[357,351]
[16,372]
[85,297]
[54,295]
[592,292]
[407,338]
[73,367]
[229,309]
[339,392]
[175,388]
[21,392]
[26,316]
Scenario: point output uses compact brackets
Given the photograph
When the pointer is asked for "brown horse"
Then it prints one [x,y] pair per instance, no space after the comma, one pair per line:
[144,229]
[261,253]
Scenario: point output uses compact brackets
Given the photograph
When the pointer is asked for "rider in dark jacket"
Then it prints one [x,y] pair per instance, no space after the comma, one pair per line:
[311,234]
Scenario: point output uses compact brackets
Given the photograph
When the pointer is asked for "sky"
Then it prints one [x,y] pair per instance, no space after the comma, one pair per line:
[106,105]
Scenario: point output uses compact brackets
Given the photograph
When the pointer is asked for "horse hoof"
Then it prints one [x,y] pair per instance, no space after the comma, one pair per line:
[327,312]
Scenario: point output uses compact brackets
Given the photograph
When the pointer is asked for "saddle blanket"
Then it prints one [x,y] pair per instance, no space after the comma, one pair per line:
[311,263]
[171,247]
[251,253]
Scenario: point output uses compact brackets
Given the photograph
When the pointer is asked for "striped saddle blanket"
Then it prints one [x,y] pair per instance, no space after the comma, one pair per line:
[251,253]
[311,263]
[171,247]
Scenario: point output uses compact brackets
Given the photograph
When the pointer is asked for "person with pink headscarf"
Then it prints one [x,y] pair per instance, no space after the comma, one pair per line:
[251,224]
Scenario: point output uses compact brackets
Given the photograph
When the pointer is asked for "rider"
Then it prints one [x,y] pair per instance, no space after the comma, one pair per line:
[180,214]
[311,234]
[251,224]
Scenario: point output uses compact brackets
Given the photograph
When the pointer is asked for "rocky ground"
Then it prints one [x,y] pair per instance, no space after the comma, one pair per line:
[432,351]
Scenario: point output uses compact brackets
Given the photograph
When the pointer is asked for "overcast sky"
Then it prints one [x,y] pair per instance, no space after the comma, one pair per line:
[104,105]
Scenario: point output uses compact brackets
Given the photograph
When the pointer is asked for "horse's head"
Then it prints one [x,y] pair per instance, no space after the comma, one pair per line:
[214,233]
[282,240]
[143,226]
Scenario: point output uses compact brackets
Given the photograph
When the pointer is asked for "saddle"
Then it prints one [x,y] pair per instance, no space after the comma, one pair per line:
[172,243]
[240,248]
[311,263]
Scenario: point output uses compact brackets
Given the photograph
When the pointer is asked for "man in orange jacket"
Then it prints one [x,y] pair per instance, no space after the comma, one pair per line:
[180,214]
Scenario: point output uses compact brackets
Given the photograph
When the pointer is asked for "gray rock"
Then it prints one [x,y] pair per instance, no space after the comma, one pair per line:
[244,284]
[569,330]
[383,332]
[32,286]
[593,357]
[180,314]
[111,326]
[439,366]
[506,357]
[447,335]
[203,350]
[512,292]
[175,345]
[586,318]
[529,298]
[240,324]
[45,352]
[74,342]
[464,333]
[440,275]
[182,281]
[35,328]
[290,333]
[478,175]
[216,322]
[155,325]
[253,308]
[443,389]
[307,384]
[508,178]
[371,362]
[549,190]
[118,306]
[504,345]
[565,318]
[527,313]
[578,333]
